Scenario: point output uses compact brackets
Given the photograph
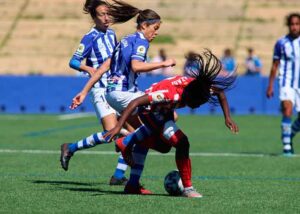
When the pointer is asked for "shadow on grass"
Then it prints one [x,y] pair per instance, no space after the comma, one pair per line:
[63,183]
[97,191]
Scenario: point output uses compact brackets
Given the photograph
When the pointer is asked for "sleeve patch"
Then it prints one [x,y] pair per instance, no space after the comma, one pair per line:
[157,97]
[80,49]
[141,50]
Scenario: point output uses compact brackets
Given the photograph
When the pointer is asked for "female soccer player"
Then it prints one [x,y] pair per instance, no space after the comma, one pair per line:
[156,109]
[96,47]
[286,59]
[127,61]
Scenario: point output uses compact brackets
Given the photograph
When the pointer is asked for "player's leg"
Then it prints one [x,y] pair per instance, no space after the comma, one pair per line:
[296,123]
[287,98]
[68,149]
[179,140]
[107,115]
[170,134]
[119,101]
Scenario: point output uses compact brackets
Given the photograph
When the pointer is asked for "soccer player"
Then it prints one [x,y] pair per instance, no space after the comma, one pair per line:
[96,47]
[156,109]
[127,61]
[286,58]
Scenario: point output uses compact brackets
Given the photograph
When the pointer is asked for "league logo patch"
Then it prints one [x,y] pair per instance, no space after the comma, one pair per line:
[141,50]
[81,48]
[158,97]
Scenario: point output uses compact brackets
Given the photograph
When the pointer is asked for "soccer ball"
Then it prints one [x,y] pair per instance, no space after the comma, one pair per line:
[173,184]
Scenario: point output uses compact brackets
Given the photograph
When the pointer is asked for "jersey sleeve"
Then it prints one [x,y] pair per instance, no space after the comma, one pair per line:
[82,51]
[277,51]
[140,49]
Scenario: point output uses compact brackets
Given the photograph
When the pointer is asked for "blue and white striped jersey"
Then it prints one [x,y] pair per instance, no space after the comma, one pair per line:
[95,47]
[287,50]
[131,47]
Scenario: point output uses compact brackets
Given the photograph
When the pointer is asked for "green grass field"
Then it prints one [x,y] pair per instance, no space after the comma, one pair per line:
[242,173]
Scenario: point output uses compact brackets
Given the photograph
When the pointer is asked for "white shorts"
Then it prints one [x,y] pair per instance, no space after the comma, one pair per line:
[291,94]
[101,106]
[119,100]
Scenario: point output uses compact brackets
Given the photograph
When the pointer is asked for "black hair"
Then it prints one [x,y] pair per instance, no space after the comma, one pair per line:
[207,77]
[121,12]
[90,7]
[290,17]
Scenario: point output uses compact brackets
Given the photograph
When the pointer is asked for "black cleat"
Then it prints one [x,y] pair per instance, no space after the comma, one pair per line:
[65,156]
[117,182]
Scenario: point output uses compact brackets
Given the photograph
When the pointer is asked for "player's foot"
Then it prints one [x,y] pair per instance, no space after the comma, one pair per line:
[117,181]
[136,190]
[191,193]
[65,156]
[125,150]
[288,150]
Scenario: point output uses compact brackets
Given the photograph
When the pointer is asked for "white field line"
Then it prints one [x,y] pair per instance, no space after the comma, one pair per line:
[201,154]
[75,116]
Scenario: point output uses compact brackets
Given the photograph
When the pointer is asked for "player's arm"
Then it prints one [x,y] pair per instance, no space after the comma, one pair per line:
[274,68]
[79,98]
[225,107]
[81,53]
[140,101]
[140,66]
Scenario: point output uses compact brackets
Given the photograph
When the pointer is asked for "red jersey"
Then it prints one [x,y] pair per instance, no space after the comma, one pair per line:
[167,94]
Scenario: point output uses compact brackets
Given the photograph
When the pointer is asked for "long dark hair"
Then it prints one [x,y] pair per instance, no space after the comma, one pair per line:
[207,77]
[90,7]
[121,12]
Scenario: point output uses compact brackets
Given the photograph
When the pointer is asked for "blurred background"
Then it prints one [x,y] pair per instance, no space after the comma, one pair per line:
[38,37]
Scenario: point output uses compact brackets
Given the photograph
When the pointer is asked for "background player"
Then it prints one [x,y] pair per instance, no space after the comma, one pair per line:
[287,58]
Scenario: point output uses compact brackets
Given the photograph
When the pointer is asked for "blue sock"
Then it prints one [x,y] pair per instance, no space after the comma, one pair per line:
[139,155]
[121,168]
[88,142]
[137,136]
[295,127]
[286,132]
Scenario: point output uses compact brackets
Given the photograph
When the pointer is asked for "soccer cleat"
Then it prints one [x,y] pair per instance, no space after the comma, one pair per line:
[65,156]
[288,150]
[136,190]
[191,193]
[117,181]
[125,150]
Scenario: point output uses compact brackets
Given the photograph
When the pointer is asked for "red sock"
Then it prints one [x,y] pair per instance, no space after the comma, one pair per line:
[185,171]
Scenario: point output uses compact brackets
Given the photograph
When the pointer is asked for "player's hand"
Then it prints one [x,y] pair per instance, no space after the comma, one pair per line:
[91,71]
[77,100]
[270,92]
[232,126]
[111,134]
[169,62]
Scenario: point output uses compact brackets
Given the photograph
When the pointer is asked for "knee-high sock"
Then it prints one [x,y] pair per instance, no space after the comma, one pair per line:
[121,168]
[139,152]
[137,136]
[139,156]
[185,171]
[295,127]
[88,142]
[286,132]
